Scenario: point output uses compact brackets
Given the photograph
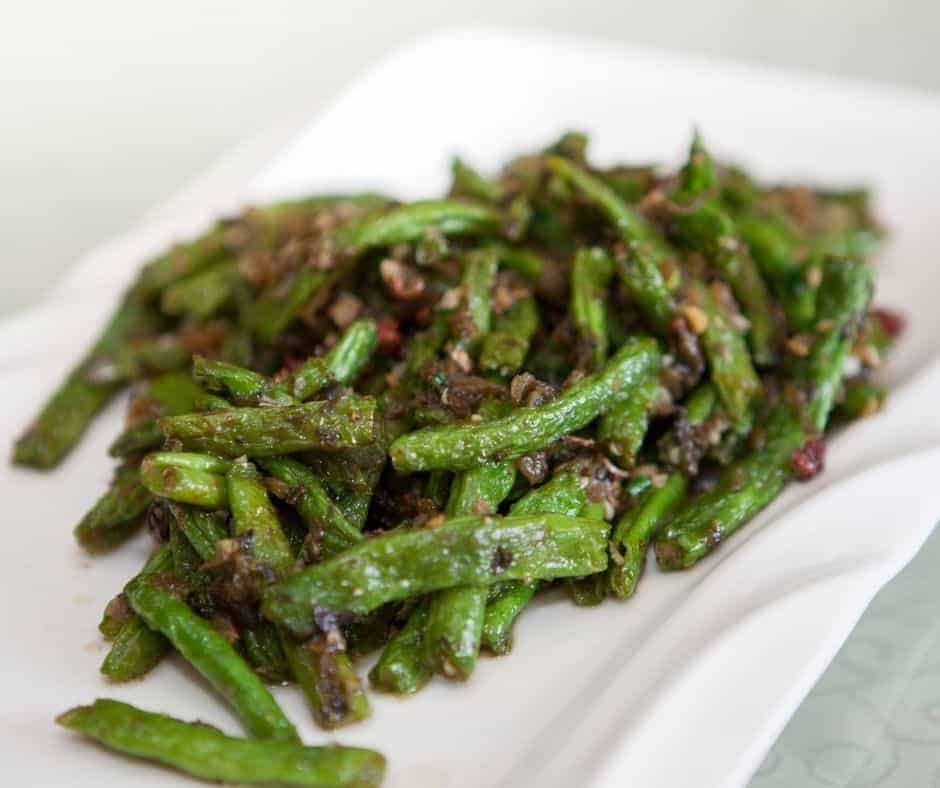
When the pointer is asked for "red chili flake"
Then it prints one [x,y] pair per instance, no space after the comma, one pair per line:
[389,334]
[809,459]
[892,322]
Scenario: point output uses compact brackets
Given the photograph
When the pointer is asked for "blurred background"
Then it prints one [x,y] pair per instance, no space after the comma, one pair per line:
[109,107]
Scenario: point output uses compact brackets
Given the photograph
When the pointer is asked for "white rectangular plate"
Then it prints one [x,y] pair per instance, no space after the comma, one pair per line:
[698,673]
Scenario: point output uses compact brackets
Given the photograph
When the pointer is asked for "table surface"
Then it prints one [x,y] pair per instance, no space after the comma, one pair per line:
[873,719]
[141,124]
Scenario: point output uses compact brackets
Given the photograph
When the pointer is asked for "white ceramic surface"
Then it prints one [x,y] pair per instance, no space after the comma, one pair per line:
[700,671]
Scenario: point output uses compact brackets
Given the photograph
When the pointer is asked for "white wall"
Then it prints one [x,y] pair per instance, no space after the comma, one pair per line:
[107,107]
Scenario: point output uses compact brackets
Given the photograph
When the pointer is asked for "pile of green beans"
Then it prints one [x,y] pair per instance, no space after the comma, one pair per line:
[357,425]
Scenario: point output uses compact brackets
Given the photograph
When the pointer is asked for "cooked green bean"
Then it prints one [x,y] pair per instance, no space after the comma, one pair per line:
[730,364]
[407,223]
[590,276]
[706,227]
[480,550]
[403,668]
[137,648]
[328,680]
[116,515]
[212,655]
[640,271]
[505,348]
[203,294]
[564,494]
[623,428]
[455,618]
[635,530]
[205,752]
[241,385]
[843,296]
[202,529]
[252,512]
[467,182]
[265,432]
[743,490]
[186,478]
[332,532]
[528,429]
[71,408]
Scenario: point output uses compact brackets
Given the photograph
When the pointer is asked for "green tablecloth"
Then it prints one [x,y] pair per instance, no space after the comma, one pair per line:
[874,717]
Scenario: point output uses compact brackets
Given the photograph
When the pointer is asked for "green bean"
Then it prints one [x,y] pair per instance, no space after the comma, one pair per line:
[480,551]
[408,223]
[640,271]
[402,668]
[455,618]
[701,404]
[743,489]
[843,297]
[139,357]
[623,428]
[505,348]
[467,182]
[465,446]
[590,590]
[349,355]
[169,394]
[241,385]
[590,277]
[697,176]
[563,494]
[501,613]
[264,432]
[731,369]
[861,398]
[263,651]
[186,478]
[202,751]
[271,314]
[136,649]
[252,512]
[423,347]
[630,224]
[587,591]
[137,438]
[332,531]
[203,294]
[636,529]
[354,505]
[778,250]
[328,680]
[342,364]
[480,490]
[479,274]
[526,262]
[117,514]
[572,145]
[355,470]
[183,260]
[709,230]
[212,655]
[71,408]
[202,529]
[437,488]
[630,183]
